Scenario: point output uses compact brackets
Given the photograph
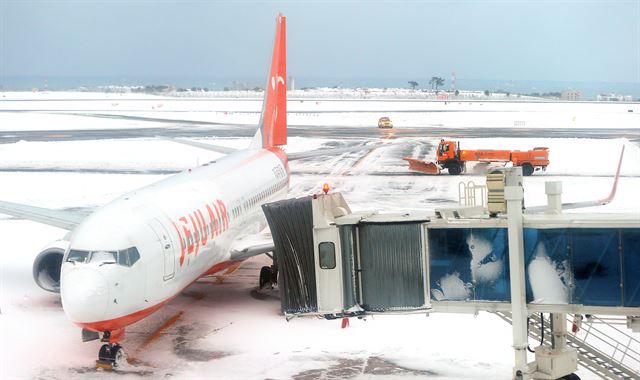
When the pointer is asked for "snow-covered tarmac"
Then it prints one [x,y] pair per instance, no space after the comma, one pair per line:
[221,328]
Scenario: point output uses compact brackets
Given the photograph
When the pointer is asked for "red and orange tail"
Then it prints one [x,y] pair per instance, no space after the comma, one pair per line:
[273,121]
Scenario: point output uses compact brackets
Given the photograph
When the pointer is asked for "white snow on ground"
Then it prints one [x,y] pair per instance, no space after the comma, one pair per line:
[20,121]
[223,332]
[143,154]
[310,112]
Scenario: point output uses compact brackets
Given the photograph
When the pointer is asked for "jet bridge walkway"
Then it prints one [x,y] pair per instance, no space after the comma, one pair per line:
[336,264]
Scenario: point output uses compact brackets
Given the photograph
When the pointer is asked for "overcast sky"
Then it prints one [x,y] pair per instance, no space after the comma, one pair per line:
[511,40]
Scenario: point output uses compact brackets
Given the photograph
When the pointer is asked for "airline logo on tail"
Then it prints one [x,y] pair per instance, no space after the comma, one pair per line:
[273,124]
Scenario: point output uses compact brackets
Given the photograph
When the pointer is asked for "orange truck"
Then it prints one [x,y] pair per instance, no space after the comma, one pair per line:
[454,159]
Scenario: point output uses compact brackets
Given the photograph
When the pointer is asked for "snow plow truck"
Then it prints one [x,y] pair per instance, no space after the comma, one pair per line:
[454,159]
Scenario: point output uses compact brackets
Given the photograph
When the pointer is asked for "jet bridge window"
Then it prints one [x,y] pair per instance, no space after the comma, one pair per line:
[327,252]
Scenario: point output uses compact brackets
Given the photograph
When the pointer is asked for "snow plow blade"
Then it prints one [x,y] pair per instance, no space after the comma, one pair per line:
[426,167]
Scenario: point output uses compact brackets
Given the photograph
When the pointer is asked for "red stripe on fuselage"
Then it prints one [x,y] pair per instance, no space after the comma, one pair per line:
[122,322]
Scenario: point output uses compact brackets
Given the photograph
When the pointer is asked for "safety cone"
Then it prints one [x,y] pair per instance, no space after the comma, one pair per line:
[345,323]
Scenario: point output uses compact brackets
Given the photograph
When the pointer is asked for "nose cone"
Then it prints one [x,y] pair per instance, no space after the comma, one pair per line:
[85,295]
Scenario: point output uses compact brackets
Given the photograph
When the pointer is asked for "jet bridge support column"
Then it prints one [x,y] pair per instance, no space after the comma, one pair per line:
[553,189]
[514,194]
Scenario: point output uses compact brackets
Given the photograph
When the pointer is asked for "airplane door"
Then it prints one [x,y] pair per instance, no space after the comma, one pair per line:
[166,247]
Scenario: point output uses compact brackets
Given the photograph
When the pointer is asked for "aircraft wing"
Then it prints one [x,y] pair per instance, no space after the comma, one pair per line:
[290,156]
[598,202]
[249,251]
[214,148]
[67,220]
[252,245]
[327,152]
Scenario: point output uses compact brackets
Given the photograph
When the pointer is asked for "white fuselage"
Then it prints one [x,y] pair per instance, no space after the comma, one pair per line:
[139,251]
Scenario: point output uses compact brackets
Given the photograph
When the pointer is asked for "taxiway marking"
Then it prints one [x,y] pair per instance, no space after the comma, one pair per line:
[155,335]
[220,278]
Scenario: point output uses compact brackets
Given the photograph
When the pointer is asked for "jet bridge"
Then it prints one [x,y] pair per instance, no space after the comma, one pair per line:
[335,263]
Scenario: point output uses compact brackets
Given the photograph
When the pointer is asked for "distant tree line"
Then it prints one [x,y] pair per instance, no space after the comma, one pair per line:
[546,94]
[151,88]
[435,82]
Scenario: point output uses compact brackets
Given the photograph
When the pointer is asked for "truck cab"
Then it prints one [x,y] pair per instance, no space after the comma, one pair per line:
[449,157]
[447,150]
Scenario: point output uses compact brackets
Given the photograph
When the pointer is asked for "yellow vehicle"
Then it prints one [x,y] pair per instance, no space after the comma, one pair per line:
[385,122]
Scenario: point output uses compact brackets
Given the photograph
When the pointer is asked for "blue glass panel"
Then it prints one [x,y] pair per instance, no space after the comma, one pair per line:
[469,264]
[631,261]
[595,259]
[548,274]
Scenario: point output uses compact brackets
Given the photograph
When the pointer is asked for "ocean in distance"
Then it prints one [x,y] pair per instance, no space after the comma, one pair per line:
[589,90]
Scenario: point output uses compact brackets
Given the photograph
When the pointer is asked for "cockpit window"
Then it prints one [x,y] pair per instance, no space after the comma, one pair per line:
[133,255]
[77,256]
[103,257]
[123,258]
[126,257]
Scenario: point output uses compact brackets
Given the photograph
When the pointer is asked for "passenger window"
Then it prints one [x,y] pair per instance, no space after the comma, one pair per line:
[327,253]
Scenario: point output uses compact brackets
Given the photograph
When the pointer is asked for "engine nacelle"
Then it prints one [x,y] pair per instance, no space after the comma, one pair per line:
[48,264]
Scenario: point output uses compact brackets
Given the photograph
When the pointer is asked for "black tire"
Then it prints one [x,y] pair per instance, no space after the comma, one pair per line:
[454,168]
[265,277]
[118,356]
[105,353]
[571,376]
[527,169]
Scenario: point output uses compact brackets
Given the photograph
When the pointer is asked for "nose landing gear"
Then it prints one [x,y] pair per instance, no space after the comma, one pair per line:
[269,275]
[111,354]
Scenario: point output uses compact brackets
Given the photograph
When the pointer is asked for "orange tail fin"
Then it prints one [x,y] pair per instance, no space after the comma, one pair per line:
[273,121]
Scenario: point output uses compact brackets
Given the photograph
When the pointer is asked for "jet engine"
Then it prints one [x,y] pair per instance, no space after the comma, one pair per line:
[47,266]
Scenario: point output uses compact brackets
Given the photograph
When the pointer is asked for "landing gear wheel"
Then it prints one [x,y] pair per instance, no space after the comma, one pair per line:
[105,353]
[527,169]
[118,356]
[265,277]
[111,356]
[571,376]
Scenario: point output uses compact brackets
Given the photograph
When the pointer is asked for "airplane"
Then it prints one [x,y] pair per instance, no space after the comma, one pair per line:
[133,255]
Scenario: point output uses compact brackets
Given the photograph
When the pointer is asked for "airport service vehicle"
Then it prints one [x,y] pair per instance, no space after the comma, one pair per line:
[135,254]
[454,159]
[385,122]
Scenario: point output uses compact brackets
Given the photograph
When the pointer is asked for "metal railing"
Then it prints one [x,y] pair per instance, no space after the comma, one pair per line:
[469,193]
[610,352]
[617,345]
